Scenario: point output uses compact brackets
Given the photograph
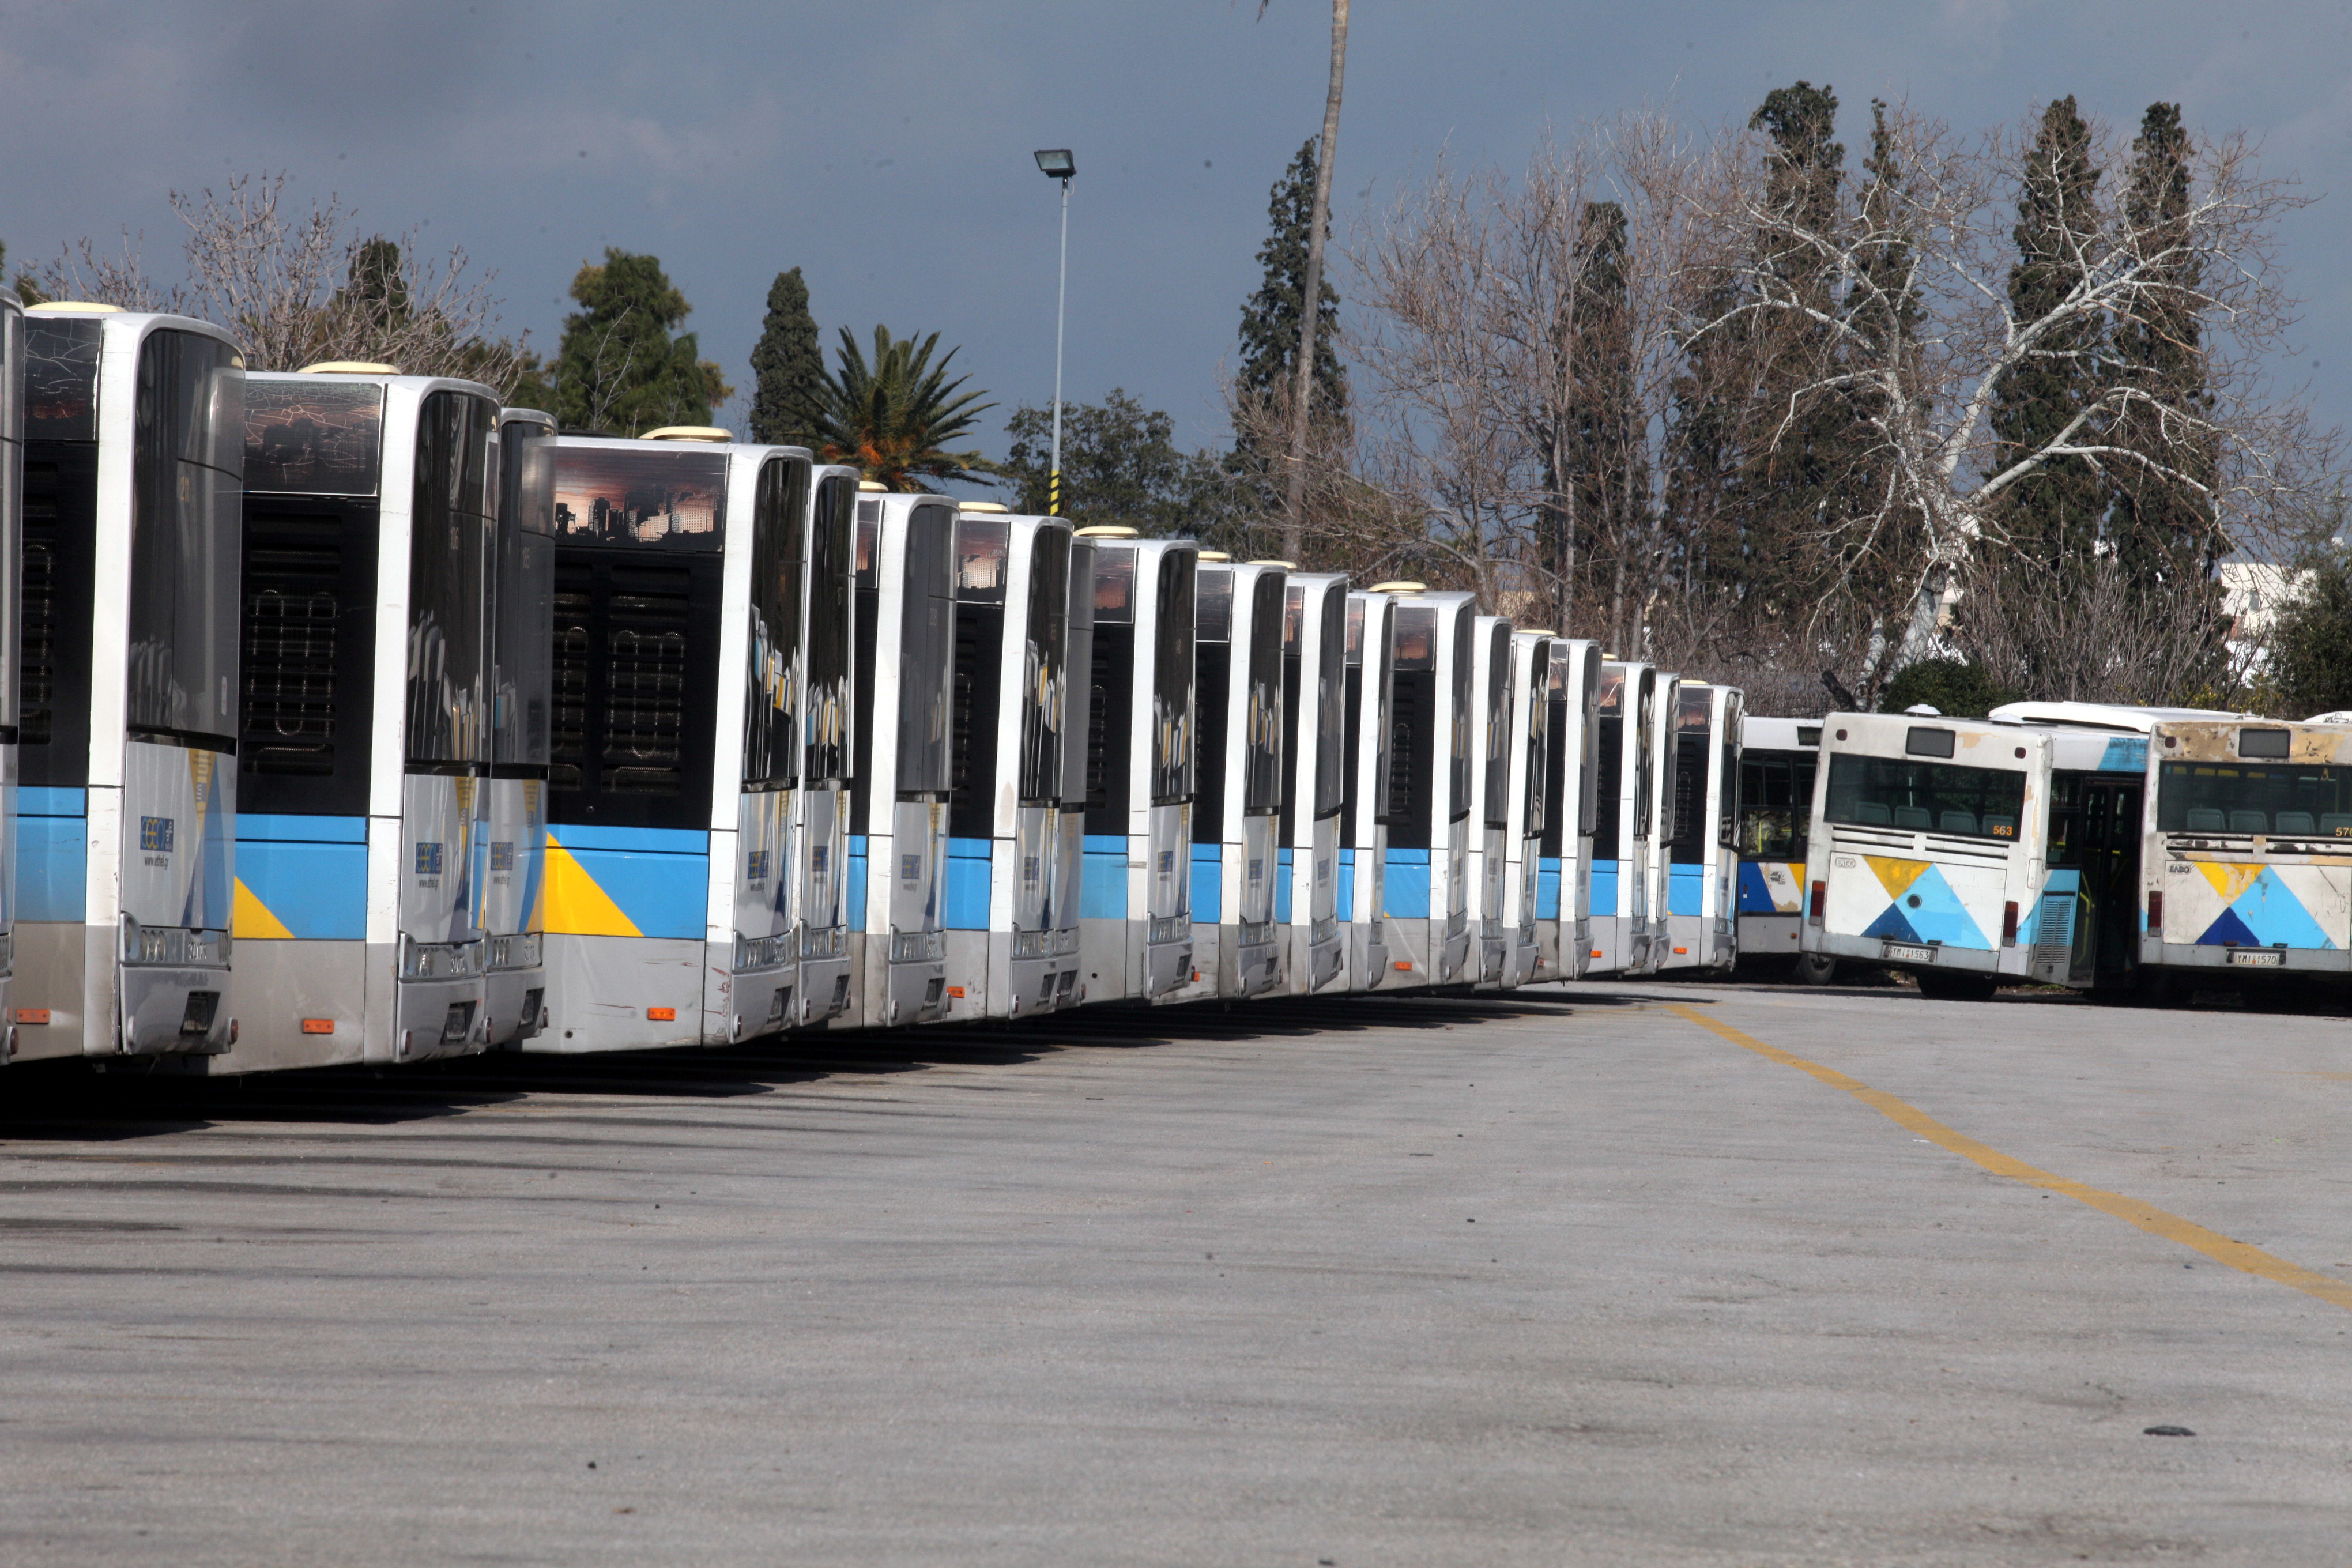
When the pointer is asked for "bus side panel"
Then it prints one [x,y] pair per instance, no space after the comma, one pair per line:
[626,916]
[52,885]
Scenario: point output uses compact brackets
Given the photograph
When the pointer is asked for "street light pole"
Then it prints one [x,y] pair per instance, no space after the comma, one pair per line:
[1057,164]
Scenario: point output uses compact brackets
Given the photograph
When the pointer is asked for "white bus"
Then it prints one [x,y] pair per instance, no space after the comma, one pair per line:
[1702,855]
[1492,723]
[1526,796]
[1625,737]
[134,457]
[1572,786]
[1314,777]
[1364,800]
[1236,809]
[1776,758]
[1426,917]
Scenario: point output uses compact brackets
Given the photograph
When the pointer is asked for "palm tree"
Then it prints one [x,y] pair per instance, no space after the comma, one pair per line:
[893,417]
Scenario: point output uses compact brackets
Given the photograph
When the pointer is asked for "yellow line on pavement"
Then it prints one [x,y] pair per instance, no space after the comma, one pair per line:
[2150,1218]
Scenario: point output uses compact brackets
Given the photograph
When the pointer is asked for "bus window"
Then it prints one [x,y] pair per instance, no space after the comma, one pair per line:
[1330,703]
[1414,746]
[1262,701]
[313,437]
[1042,678]
[1924,797]
[779,503]
[187,514]
[1383,660]
[1497,803]
[448,544]
[1645,741]
[1171,682]
[1458,739]
[1775,805]
[826,707]
[1607,782]
[2286,799]
[1728,768]
[523,642]
[1541,685]
[927,627]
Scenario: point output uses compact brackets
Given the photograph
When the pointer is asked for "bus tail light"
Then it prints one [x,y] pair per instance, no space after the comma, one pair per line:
[2008,923]
[2155,913]
[1821,900]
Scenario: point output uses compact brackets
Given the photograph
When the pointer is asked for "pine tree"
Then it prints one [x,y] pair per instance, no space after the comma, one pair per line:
[787,367]
[1270,323]
[2164,530]
[618,368]
[2052,516]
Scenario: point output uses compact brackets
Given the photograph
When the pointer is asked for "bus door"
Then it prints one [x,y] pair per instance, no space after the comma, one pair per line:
[2085,934]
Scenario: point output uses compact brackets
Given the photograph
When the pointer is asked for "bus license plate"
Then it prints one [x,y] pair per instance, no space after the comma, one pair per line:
[2257,958]
[1910,954]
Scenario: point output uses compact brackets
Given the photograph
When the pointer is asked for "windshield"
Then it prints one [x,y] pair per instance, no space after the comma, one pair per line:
[1924,797]
[306,436]
[1498,726]
[778,505]
[449,551]
[831,563]
[1776,803]
[523,596]
[2291,799]
[661,496]
[1540,687]
[1262,706]
[1171,681]
[1458,733]
[1042,666]
[1330,702]
[927,653]
[187,510]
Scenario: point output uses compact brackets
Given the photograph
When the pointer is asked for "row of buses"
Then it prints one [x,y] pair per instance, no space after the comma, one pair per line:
[347,716]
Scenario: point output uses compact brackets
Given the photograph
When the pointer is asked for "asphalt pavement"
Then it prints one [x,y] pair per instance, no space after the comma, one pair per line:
[1563,1277]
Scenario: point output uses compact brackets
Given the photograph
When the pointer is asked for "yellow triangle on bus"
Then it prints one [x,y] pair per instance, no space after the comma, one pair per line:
[576,905]
[1896,875]
[250,919]
[2229,877]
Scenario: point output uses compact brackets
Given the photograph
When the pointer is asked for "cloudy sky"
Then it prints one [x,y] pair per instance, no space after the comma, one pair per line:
[884,147]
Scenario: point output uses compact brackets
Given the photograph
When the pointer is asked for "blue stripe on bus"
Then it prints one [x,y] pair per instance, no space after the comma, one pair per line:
[318,890]
[1548,888]
[1405,885]
[52,866]
[1604,887]
[1102,877]
[1282,889]
[1208,882]
[1345,893]
[253,826]
[661,895]
[963,902]
[857,890]
[641,840]
[1686,890]
[45,802]
[2125,754]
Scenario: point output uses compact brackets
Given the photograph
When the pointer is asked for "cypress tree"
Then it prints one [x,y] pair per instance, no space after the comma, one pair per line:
[1271,317]
[1885,315]
[2052,516]
[787,367]
[618,368]
[1604,501]
[2164,530]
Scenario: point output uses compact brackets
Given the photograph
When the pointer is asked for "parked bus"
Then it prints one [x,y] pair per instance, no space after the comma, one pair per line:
[698,682]
[1702,855]
[1573,784]
[12,607]
[1236,811]
[1624,755]
[1134,894]
[1070,812]
[1009,714]
[522,673]
[1364,794]
[1432,707]
[1776,816]
[1526,796]
[1488,835]
[1314,607]
[904,611]
[126,739]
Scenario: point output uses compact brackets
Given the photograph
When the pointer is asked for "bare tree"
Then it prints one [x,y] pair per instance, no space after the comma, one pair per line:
[1924,395]
[297,289]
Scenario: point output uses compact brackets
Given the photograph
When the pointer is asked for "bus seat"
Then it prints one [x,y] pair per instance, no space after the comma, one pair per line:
[1872,812]
[1912,816]
[2336,824]
[2000,827]
[2244,821]
[1960,822]
[2205,819]
[2294,822]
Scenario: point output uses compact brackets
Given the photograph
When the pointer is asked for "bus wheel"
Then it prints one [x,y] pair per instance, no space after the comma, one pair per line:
[1945,986]
[1816,968]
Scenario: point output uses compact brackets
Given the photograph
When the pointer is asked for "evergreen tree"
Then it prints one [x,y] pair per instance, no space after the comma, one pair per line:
[787,367]
[2310,669]
[1120,464]
[1885,315]
[1603,503]
[2052,516]
[2165,535]
[1270,321]
[618,368]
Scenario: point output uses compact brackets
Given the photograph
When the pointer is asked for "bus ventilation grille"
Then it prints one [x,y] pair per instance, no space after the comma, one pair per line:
[2054,930]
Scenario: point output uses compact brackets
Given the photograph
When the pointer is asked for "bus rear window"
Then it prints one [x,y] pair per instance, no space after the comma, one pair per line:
[2289,800]
[1926,797]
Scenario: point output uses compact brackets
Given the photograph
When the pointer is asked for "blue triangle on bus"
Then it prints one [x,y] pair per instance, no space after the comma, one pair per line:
[2228,930]
[1892,925]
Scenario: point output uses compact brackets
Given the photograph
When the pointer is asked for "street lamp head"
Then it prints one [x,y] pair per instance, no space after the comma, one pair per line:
[1056,162]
